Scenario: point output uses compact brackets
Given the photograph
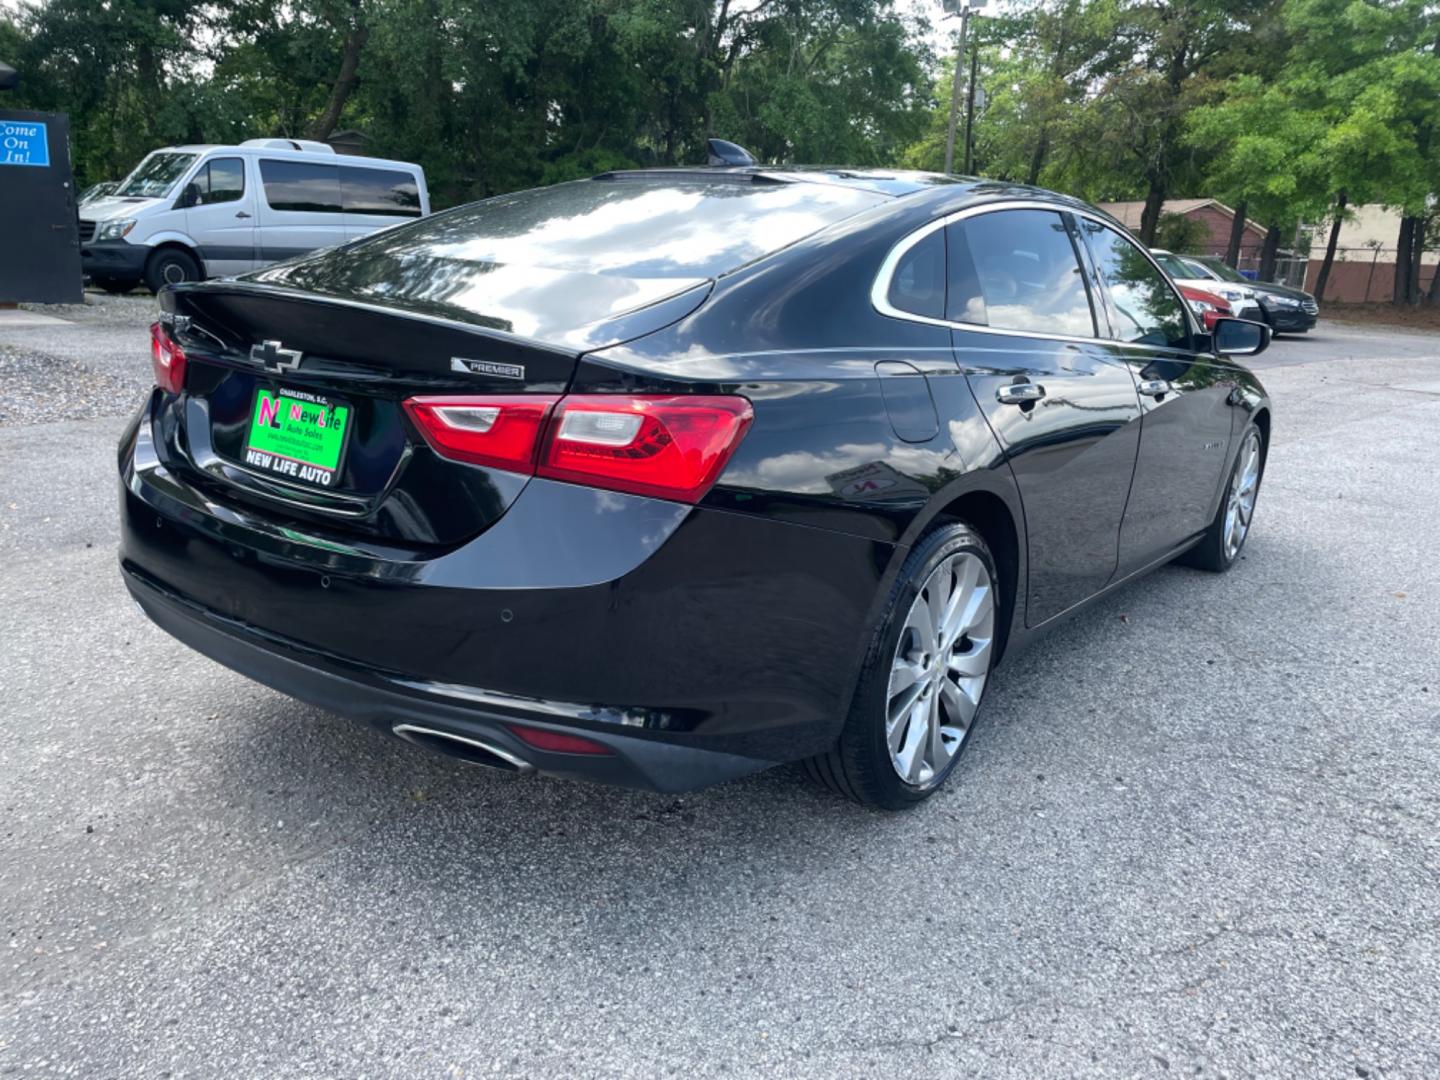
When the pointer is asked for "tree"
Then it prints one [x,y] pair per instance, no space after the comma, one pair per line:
[1182,234]
[1371,68]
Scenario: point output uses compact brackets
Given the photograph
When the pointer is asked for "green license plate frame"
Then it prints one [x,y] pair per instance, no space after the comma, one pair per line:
[300,436]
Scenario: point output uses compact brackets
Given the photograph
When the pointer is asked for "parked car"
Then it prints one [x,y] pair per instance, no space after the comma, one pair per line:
[1210,307]
[1287,310]
[187,213]
[1241,297]
[667,476]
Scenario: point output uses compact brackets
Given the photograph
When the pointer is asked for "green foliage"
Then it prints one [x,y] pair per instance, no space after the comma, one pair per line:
[488,95]
[1182,234]
[1280,104]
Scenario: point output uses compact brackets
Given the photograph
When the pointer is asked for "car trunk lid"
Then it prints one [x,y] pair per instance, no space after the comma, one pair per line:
[253,348]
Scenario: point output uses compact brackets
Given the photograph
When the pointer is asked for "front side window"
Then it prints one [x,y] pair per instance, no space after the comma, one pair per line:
[301,185]
[1144,308]
[1018,270]
[155,176]
[221,180]
[918,284]
[387,192]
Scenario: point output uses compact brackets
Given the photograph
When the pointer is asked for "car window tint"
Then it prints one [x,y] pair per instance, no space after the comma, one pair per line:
[389,192]
[1027,272]
[964,302]
[222,180]
[301,185]
[1144,308]
[918,284]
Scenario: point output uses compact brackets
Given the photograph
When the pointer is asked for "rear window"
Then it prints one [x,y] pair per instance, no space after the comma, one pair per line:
[1175,266]
[633,228]
[387,192]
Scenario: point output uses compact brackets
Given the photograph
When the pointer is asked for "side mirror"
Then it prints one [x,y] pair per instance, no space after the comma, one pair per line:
[1240,337]
[189,197]
[9,77]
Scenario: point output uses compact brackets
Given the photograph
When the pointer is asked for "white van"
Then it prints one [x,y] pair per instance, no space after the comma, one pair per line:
[191,212]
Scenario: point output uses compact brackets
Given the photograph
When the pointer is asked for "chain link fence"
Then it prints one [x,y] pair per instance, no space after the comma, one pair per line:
[1358,275]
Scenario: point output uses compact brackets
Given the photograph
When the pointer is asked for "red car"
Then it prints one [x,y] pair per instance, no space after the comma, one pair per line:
[1205,304]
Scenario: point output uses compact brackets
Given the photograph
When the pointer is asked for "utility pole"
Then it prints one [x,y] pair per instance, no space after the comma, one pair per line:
[963,8]
[970,115]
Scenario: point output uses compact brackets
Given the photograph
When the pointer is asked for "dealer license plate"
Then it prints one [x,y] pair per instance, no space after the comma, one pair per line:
[298,435]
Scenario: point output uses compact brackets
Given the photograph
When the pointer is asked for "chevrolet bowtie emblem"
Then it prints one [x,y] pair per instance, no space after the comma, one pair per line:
[275,358]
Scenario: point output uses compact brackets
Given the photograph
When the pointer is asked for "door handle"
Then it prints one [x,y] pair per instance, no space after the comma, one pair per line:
[1020,393]
[241,214]
[1156,388]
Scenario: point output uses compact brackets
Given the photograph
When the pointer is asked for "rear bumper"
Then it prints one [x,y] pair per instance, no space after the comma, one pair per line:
[387,702]
[699,644]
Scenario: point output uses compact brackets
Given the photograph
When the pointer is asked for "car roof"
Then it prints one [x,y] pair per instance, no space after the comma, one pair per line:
[893,182]
[942,193]
[281,154]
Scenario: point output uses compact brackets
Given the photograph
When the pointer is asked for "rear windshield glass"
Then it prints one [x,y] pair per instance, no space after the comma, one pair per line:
[634,228]
[1223,271]
[1172,265]
[155,175]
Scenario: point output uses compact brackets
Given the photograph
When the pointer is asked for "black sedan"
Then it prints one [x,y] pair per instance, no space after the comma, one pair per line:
[666,476]
[1287,310]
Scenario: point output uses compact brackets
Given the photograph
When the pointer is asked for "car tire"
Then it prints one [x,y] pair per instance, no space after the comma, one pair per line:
[1220,547]
[902,739]
[116,285]
[170,266]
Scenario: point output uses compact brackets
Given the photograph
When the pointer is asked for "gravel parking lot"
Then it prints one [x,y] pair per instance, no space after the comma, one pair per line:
[1196,835]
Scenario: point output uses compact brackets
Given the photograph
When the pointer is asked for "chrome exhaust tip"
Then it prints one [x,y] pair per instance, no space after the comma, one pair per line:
[466,748]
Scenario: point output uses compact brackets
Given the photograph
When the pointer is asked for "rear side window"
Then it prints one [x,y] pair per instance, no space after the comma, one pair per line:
[301,185]
[1144,308]
[1018,270]
[219,180]
[918,284]
[387,192]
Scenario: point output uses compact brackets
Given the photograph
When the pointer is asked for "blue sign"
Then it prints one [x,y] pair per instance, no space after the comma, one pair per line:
[24,142]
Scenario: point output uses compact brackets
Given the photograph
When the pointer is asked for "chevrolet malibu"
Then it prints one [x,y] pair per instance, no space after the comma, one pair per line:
[666,476]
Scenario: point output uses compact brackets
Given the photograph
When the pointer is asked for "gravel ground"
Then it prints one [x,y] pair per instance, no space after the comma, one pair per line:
[1196,835]
[98,364]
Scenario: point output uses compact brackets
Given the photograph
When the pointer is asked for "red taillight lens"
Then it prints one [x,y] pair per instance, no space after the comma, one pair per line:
[501,432]
[668,447]
[557,742]
[168,360]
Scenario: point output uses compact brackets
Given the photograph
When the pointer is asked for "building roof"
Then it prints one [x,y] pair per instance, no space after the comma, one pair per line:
[1129,213]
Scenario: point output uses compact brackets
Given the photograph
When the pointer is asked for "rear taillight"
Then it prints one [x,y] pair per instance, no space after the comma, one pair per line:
[501,432]
[168,360]
[669,447]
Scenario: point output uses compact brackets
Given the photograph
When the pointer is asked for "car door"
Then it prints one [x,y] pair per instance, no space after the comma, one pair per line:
[301,210]
[1185,395]
[1062,406]
[220,215]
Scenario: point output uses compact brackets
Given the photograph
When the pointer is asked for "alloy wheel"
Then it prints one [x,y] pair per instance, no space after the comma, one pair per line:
[1244,486]
[941,663]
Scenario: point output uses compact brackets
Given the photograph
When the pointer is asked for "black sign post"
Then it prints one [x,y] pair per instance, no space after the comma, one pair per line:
[39,233]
